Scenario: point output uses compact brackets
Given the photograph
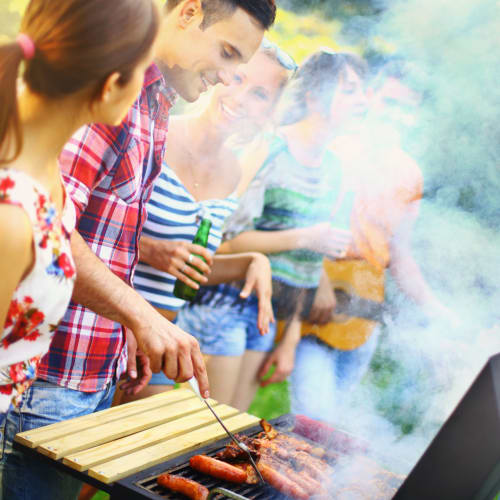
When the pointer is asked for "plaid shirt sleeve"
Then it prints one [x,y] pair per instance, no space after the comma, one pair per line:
[87,158]
[106,174]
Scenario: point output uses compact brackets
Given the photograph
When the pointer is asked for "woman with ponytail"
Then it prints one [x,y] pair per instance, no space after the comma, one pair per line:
[81,61]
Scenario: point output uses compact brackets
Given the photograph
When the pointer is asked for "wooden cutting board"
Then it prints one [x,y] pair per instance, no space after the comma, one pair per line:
[114,443]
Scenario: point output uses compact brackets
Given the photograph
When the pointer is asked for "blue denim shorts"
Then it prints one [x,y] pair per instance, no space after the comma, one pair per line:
[225,329]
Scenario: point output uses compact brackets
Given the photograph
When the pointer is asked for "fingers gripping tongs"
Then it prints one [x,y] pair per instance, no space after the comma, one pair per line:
[242,446]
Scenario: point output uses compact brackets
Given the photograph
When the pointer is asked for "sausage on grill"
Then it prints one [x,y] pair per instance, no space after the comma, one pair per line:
[282,483]
[218,469]
[188,487]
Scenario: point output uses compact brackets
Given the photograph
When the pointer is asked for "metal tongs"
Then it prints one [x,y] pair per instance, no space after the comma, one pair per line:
[242,446]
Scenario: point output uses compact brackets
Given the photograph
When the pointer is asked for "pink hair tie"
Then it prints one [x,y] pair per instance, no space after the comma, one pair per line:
[27,46]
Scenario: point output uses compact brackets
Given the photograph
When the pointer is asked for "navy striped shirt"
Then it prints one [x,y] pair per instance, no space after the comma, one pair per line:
[174,214]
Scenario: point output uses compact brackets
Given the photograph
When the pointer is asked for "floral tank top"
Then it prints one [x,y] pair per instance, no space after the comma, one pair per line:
[42,297]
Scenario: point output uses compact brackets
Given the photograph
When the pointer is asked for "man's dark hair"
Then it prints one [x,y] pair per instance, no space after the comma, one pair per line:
[263,11]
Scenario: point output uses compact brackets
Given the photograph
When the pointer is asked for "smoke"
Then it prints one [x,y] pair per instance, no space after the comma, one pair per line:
[423,367]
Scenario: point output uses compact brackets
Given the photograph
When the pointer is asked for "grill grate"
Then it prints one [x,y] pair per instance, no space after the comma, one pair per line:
[250,491]
[143,484]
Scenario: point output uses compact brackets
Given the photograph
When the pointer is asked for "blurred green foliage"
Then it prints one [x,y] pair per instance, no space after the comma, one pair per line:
[10,16]
[299,33]
[332,9]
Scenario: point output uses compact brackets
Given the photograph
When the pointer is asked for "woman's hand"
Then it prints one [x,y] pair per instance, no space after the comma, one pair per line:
[324,302]
[178,258]
[326,239]
[259,278]
[282,357]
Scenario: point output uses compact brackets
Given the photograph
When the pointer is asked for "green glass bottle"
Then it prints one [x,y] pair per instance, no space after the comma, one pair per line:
[181,290]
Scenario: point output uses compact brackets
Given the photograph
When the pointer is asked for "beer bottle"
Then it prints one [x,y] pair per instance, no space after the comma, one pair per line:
[181,290]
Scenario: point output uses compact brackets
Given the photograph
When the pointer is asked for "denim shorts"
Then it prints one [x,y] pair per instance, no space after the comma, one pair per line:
[223,328]
[226,330]
[25,477]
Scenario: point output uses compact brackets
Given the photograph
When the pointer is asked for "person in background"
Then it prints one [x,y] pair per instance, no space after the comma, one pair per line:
[109,173]
[299,181]
[337,346]
[77,70]
[31,184]
[199,178]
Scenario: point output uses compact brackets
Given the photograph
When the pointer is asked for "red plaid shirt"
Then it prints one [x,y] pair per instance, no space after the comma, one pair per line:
[105,171]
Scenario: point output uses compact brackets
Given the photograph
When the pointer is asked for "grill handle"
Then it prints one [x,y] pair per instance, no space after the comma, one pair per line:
[226,493]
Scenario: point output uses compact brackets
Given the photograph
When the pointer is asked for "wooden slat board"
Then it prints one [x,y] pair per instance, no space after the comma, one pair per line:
[171,448]
[93,456]
[123,440]
[103,433]
[36,437]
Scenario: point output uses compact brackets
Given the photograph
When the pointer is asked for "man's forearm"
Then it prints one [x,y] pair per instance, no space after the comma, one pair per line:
[147,249]
[99,289]
[410,279]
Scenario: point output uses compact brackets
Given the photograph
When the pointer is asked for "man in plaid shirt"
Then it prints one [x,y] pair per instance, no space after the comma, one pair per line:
[109,172]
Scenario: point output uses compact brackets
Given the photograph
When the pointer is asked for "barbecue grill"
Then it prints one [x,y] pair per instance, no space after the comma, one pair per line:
[144,484]
[123,450]
[463,460]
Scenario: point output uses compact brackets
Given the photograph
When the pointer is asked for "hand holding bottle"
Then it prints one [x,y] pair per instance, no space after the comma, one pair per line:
[185,288]
[173,257]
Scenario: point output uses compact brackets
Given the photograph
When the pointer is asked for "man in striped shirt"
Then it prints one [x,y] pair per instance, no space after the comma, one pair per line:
[109,172]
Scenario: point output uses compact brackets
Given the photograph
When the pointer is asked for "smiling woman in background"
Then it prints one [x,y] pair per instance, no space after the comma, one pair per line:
[294,184]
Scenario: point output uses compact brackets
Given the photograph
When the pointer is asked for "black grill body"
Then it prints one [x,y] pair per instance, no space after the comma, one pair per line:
[463,460]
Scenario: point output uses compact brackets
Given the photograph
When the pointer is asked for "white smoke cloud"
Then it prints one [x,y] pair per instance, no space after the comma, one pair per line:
[451,47]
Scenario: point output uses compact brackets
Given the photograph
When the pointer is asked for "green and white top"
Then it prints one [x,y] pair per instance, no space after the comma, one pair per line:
[297,196]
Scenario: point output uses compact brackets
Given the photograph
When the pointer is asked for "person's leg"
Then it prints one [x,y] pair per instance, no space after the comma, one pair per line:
[25,477]
[257,348]
[313,385]
[349,369]
[247,382]
[221,334]
[223,377]
[352,365]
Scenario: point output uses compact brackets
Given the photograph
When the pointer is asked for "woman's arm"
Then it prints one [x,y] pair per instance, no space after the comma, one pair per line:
[16,256]
[324,302]
[407,273]
[265,241]
[321,238]
[283,355]
[255,269]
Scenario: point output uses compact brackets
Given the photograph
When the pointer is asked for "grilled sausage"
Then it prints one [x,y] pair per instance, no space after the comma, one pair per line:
[218,469]
[188,487]
[282,483]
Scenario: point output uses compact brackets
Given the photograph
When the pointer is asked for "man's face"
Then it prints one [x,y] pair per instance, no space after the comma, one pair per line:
[349,103]
[205,57]
[396,103]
